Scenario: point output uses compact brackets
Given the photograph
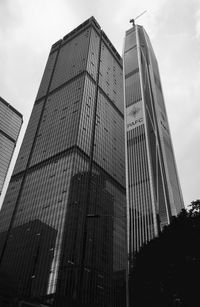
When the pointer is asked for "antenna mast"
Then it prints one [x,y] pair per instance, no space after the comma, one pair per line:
[133,19]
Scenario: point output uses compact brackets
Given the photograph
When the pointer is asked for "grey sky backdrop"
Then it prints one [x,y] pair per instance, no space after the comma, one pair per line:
[28,28]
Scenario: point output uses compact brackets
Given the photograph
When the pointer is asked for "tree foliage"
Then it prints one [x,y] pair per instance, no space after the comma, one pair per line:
[167,269]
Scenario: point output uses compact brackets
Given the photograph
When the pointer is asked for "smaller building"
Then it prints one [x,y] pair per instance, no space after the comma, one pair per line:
[10,125]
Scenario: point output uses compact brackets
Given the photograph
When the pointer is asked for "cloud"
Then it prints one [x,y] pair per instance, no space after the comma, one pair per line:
[29,28]
[198,24]
[9,18]
[178,50]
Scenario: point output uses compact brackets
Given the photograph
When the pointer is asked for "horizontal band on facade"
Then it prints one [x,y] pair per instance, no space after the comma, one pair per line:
[11,107]
[73,149]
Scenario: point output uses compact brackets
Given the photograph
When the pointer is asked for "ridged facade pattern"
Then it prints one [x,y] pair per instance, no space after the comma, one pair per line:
[153,189]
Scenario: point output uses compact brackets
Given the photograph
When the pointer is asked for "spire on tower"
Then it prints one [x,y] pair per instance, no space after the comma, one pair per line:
[133,19]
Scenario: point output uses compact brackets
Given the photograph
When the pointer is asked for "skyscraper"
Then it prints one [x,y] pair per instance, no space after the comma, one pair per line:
[65,206]
[153,189]
[10,125]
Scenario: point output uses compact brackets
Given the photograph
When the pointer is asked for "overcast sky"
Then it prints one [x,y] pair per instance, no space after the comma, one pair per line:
[28,28]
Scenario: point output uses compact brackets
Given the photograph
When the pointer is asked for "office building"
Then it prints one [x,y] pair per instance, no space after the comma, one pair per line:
[153,189]
[10,125]
[65,208]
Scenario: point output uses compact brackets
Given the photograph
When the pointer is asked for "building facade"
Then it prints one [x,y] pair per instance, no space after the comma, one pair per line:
[153,189]
[10,125]
[65,208]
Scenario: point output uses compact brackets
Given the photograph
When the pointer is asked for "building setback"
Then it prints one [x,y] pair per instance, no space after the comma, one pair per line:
[10,125]
[65,208]
[153,189]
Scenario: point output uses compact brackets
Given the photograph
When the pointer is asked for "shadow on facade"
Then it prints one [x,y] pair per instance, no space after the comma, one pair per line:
[86,276]
[89,273]
[27,260]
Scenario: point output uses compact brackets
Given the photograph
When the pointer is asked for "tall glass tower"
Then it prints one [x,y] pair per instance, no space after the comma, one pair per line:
[63,221]
[153,188]
[10,125]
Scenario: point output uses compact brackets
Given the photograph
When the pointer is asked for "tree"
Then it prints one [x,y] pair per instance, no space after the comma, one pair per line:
[166,269]
[195,207]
